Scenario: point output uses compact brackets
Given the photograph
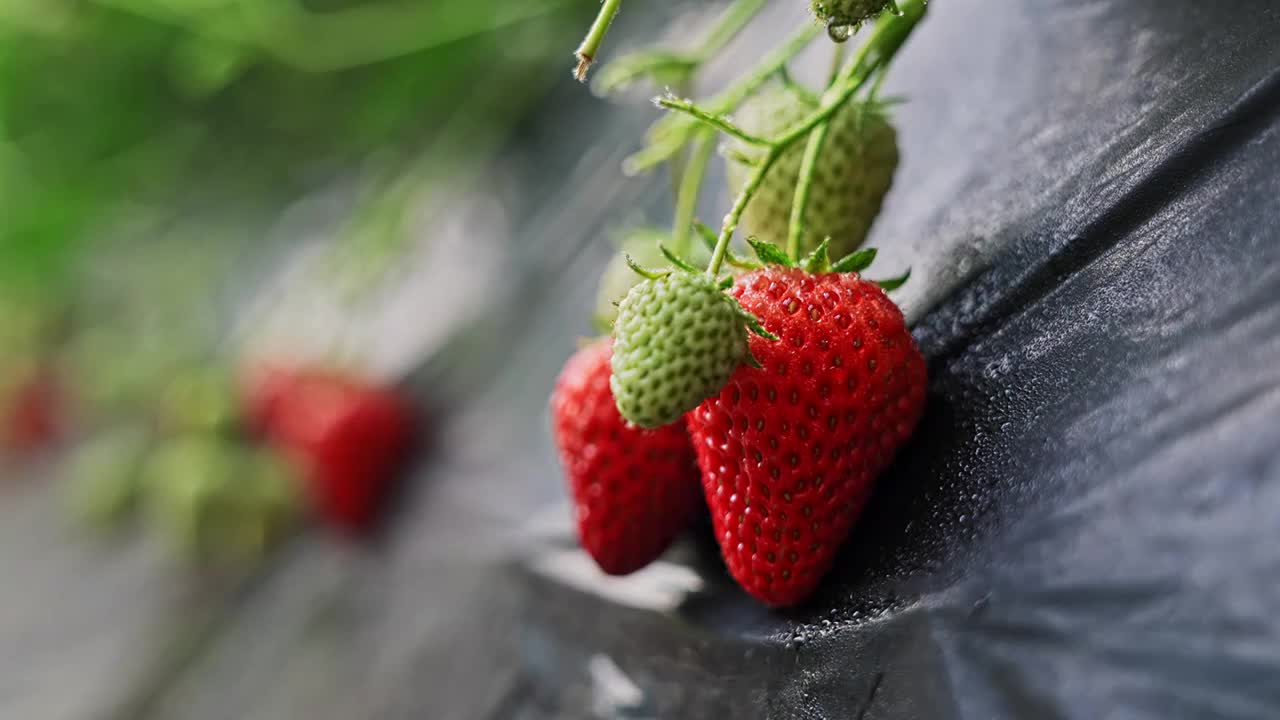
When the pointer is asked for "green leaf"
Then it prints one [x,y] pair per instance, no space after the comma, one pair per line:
[895,282]
[709,239]
[644,272]
[819,261]
[742,158]
[676,260]
[726,282]
[753,322]
[856,261]
[769,253]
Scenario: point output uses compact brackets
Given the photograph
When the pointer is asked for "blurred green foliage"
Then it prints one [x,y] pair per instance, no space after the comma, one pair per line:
[111,109]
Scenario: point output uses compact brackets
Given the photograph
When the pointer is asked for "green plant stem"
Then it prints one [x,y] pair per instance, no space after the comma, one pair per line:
[890,33]
[590,47]
[690,189]
[715,120]
[673,136]
[800,202]
[837,60]
[733,96]
[686,64]
[735,214]
[730,23]
[800,90]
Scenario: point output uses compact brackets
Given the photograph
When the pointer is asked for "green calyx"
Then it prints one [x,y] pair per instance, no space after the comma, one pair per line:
[645,246]
[819,261]
[848,13]
[678,339]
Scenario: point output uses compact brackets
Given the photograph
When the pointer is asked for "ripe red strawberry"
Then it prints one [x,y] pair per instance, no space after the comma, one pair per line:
[634,490]
[262,387]
[789,452]
[32,410]
[346,437]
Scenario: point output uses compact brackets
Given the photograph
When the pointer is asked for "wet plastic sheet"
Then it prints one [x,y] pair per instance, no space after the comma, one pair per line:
[1087,524]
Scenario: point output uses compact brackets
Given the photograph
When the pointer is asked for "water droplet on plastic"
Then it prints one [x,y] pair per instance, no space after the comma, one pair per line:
[840,32]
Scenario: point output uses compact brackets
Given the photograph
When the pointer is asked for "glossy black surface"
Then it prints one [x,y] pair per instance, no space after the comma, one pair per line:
[1085,525]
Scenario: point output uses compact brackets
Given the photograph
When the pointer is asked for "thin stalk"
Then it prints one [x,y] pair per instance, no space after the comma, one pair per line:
[890,33]
[837,60]
[722,103]
[715,120]
[676,164]
[586,52]
[800,202]
[733,96]
[735,213]
[690,189]
[735,17]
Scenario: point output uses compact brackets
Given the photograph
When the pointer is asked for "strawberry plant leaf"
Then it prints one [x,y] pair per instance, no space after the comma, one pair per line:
[895,282]
[645,272]
[819,261]
[753,322]
[708,237]
[769,253]
[676,260]
[855,261]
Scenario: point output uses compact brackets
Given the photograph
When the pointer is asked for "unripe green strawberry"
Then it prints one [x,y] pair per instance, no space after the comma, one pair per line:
[677,340]
[852,176]
[845,13]
[184,484]
[642,245]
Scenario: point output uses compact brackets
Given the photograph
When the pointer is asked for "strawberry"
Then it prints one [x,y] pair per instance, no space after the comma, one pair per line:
[851,178]
[618,278]
[677,339]
[32,410]
[789,452]
[633,490]
[847,13]
[261,390]
[345,436]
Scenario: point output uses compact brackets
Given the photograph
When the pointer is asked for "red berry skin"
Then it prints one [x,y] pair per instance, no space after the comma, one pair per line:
[346,437]
[790,452]
[262,387]
[33,414]
[633,490]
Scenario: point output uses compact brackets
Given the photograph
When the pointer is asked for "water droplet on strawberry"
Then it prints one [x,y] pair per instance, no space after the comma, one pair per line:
[840,32]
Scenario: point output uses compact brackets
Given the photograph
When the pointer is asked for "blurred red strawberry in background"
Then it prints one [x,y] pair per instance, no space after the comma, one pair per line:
[31,409]
[346,436]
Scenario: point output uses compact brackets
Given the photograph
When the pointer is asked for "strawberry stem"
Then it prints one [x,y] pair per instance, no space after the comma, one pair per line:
[690,188]
[800,202]
[714,119]
[837,61]
[890,33]
[661,64]
[735,17]
[670,134]
[586,52]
